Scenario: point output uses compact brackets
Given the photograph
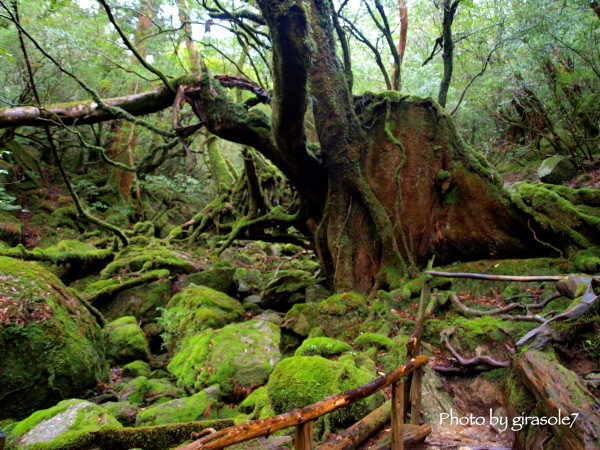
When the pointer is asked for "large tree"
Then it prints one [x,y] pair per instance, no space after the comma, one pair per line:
[383,181]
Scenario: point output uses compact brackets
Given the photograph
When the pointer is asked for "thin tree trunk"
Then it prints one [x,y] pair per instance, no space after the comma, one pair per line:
[448,50]
[397,72]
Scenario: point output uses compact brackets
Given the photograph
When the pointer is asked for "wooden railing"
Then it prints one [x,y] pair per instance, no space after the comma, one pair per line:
[303,418]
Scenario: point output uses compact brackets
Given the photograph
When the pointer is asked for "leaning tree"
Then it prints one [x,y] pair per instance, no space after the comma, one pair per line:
[383,180]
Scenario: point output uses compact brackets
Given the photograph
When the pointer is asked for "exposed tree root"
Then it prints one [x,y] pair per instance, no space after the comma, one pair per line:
[577,287]
[479,363]
[466,311]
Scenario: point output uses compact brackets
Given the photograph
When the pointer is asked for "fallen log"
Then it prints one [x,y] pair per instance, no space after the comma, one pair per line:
[361,431]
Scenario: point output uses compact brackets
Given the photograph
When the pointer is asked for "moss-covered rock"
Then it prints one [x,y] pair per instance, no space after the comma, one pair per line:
[302,318]
[125,412]
[62,421]
[287,288]
[219,278]
[134,391]
[161,390]
[257,405]
[142,302]
[341,314]
[11,229]
[379,341]
[248,280]
[125,341]
[288,386]
[322,346]
[196,407]
[51,346]
[240,355]
[197,308]
[556,170]
[135,369]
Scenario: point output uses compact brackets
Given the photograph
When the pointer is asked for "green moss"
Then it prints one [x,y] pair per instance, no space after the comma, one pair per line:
[102,289]
[135,390]
[151,438]
[219,278]
[322,346]
[287,387]
[587,261]
[257,404]
[73,415]
[496,374]
[136,369]
[305,316]
[341,314]
[396,356]
[11,228]
[286,288]
[154,256]
[238,355]
[177,411]
[197,308]
[125,341]
[367,340]
[50,344]
[161,390]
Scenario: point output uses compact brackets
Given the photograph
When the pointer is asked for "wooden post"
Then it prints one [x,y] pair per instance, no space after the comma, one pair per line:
[415,398]
[398,415]
[303,439]
[2,440]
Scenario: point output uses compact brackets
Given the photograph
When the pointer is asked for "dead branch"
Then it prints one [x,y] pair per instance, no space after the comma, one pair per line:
[481,276]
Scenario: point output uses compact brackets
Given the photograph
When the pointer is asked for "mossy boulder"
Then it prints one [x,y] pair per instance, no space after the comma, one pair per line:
[125,341]
[197,308]
[248,280]
[322,346]
[181,410]
[61,422]
[161,390]
[235,357]
[125,412]
[135,369]
[379,341]
[257,405]
[300,381]
[134,391]
[51,346]
[287,288]
[556,170]
[142,302]
[341,314]
[11,229]
[219,278]
[302,318]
